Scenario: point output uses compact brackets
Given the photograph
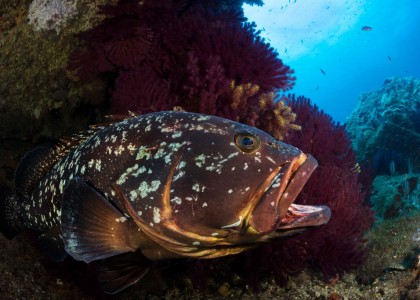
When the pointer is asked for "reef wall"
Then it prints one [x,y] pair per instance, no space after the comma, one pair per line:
[387,122]
[385,133]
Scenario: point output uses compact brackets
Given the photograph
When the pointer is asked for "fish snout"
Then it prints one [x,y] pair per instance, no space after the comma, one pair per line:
[283,190]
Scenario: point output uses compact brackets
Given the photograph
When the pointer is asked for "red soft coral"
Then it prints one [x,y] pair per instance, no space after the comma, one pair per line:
[195,52]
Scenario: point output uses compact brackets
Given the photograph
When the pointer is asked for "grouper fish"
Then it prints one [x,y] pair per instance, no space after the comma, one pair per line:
[159,186]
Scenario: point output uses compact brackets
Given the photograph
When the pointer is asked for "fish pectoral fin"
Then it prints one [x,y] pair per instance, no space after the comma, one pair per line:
[53,246]
[92,228]
[119,272]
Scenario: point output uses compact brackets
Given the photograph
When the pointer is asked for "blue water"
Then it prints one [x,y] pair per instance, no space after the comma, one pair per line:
[311,35]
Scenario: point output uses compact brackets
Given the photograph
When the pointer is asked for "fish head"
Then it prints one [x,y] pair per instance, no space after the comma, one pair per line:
[229,184]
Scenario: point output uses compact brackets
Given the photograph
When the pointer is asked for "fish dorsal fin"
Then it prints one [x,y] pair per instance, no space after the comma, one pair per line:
[39,161]
[91,227]
[32,168]
[119,272]
[67,144]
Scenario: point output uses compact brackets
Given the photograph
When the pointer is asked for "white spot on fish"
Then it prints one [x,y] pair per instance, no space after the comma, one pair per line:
[205,204]
[177,200]
[131,148]
[121,219]
[203,118]
[177,134]
[156,215]
[119,150]
[200,160]
[127,172]
[196,187]
[233,225]
[270,159]
[133,195]
[196,243]
[230,191]
[145,188]
[215,234]
[143,152]
[179,175]
[245,166]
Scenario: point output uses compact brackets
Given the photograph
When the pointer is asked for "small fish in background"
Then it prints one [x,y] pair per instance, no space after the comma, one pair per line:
[389,58]
[159,186]
[323,72]
[366,28]
[301,41]
[285,50]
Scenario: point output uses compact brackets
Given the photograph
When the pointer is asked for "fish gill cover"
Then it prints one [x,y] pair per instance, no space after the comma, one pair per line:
[202,56]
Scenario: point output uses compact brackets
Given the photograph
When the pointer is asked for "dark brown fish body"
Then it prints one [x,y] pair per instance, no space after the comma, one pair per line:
[167,184]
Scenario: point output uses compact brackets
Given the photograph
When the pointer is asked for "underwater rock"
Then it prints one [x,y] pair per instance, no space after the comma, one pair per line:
[388,120]
[396,195]
[51,14]
[38,97]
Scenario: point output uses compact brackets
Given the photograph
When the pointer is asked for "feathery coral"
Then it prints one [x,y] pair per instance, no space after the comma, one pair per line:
[194,55]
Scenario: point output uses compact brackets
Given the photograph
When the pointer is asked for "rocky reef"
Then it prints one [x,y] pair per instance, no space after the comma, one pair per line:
[387,123]
[385,132]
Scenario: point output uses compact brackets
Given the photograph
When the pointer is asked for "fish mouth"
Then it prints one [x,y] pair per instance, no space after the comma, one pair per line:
[276,212]
[301,216]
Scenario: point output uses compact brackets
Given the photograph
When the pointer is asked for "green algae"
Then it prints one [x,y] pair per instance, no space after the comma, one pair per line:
[37,97]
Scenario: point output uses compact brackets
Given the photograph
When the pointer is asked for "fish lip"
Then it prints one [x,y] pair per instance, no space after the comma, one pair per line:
[297,215]
[302,216]
[300,172]
[280,193]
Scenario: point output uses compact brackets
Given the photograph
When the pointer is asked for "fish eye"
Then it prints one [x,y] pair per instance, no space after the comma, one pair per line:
[247,142]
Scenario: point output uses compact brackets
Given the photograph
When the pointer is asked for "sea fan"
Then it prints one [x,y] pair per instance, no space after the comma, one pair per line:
[193,52]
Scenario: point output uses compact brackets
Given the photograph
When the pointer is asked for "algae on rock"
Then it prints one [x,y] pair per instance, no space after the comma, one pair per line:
[37,97]
[388,119]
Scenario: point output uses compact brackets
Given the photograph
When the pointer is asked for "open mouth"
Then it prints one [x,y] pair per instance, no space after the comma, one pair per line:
[276,211]
[299,216]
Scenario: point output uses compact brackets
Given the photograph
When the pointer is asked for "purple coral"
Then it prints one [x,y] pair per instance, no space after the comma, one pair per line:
[165,55]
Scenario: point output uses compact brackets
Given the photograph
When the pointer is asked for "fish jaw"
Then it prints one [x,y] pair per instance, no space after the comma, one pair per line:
[276,203]
[302,216]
